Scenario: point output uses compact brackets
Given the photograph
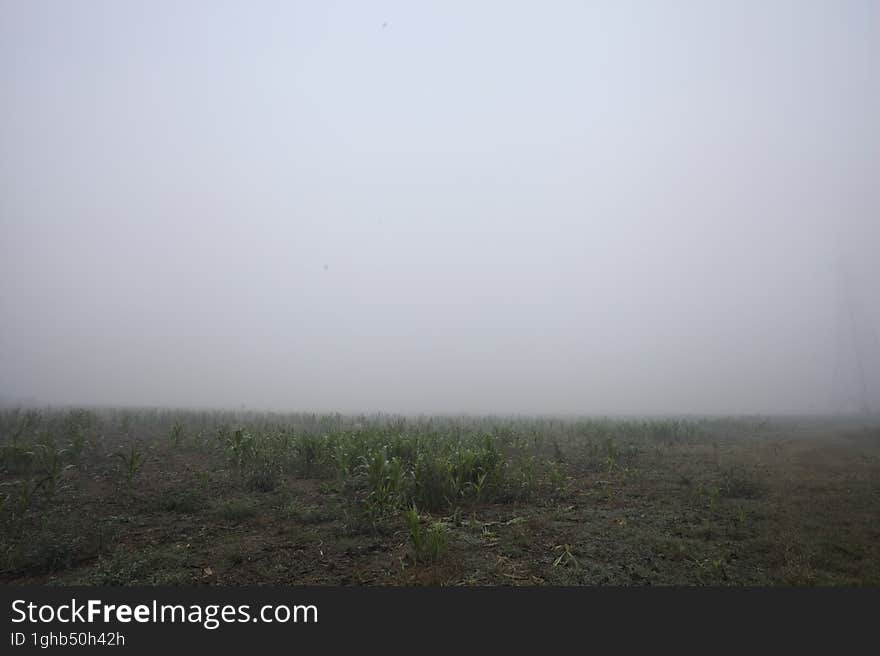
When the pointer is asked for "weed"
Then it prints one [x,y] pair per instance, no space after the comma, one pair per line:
[182,501]
[237,510]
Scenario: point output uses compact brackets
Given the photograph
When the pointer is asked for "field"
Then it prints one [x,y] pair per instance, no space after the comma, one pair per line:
[144,497]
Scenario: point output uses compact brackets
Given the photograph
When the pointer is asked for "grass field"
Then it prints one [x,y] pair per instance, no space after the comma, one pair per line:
[126,497]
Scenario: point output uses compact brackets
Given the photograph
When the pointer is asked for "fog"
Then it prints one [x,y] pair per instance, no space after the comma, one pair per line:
[562,207]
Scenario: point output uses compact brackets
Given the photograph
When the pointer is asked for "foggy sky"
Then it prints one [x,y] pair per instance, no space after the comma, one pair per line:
[580,207]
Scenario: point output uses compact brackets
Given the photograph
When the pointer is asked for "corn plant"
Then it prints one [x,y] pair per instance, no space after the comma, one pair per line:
[29,421]
[344,460]
[555,479]
[176,433]
[75,424]
[78,442]
[265,473]
[713,494]
[20,499]
[310,452]
[710,569]
[132,461]
[437,542]
[522,478]
[611,454]
[384,484]
[16,459]
[49,466]
[240,449]
[558,456]
[432,487]
[479,485]
[428,544]
[198,439]
[416,533]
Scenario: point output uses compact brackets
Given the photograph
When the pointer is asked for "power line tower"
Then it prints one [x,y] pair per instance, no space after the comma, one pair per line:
[857,345]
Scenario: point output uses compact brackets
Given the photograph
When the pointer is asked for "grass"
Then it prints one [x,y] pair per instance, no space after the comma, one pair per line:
[312,499]
[183,501]
[236,510]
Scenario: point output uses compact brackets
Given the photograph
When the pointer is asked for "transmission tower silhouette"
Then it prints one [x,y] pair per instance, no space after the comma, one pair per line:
[856,348]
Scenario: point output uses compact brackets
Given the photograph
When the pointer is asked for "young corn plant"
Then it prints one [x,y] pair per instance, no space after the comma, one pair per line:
[132,461]
[556,479]
[384,485]
[309,451]
[20,499]
[558,456]
[344,461]
[612,454]
[437,542]
[522,479]
[416,533]
[265,473]
[241,448]
[197,439]
[176,434]
[479,485]
[432,486]
[78,443]
[29,421]
[49,466]
[428,544]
